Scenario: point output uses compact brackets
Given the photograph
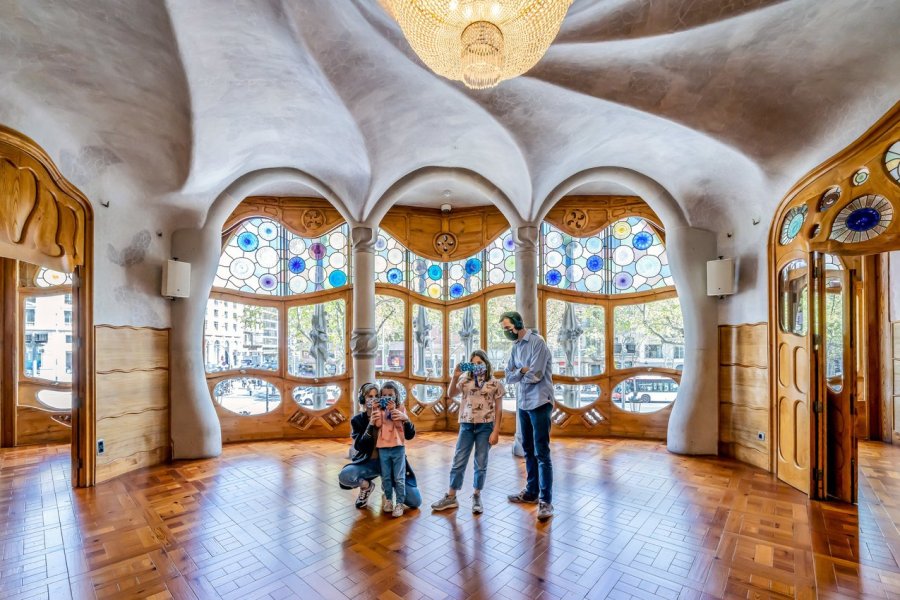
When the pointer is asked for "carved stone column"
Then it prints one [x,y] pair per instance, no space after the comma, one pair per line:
[526,239]
[362,337]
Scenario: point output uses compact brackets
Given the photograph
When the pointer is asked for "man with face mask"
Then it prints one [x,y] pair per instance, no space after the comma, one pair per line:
[530,364]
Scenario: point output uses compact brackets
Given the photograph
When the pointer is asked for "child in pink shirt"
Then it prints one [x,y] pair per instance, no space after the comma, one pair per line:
[391,449]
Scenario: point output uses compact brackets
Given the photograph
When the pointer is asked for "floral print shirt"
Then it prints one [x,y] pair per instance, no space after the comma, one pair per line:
[478,404]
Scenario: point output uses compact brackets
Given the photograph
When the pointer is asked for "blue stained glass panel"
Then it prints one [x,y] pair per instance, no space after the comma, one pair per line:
[296,265]
[553,277]
[248,241]
[594,263]
[337,278]
[435,272]
[643,240]
[863,219]
[473,266]
[457,290]
[395,276]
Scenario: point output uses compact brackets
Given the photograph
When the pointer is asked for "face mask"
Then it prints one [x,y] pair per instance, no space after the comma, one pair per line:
[510,334]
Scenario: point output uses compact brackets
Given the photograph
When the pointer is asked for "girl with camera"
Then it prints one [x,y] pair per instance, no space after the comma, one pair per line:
[480,413]
[390,418]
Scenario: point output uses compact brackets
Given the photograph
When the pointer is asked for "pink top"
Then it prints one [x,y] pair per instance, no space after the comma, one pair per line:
[390,431]
[479,405]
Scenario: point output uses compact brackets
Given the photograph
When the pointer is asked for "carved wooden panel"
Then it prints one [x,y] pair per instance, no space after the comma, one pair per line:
[429,233]
[586,215]
[307,217]
[43,216]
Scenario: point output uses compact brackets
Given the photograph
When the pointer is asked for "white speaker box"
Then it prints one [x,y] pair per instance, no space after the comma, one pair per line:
[176,279]
[720,277]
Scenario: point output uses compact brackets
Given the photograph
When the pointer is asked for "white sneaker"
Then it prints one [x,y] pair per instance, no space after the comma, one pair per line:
[398,510]
[388,506]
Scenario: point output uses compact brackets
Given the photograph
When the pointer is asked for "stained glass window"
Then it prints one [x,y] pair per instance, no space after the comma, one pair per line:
[628,256]
[390,260]
[863,219]
[264,258]
[426,276]
[861,176]
[892,161]
[792,223]
[465,276]
[49,278]
[500,260]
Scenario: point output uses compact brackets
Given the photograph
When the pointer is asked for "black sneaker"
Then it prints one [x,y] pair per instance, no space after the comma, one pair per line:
[522,498]
[363,499]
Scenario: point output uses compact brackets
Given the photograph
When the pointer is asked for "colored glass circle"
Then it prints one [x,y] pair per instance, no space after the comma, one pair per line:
[242,268]
[623,280]
[621,230]
[296,265]
[793,226]
[623,255]
[337,260]
[337,239]
[831,195]
[510,263]
[594,245]
[495,276]
[593,282]
[554,239]
[456,271]
[553,259]
[268,230]
[395,256]
[380,264]
[495,256]
[267,257]
[594,263]
[643,240]
[648,266]
[574,273]
[508,243]
[553,277]
[574,249]
[380,243]
[419,267]
[473,266]
[863,219]
[892,161]
[248,242]
[435,272]
[793,222]
[861,176]
[297,246]
[268,282]
[297,284]
[317,250]
[457,290]
[395,276]
[434,290]
[337,278]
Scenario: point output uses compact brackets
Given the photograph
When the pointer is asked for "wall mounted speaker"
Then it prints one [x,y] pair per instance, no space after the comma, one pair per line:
[176,279]
[720,277]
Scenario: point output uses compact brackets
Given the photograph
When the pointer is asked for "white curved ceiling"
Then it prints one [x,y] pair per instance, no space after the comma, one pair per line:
[726,103]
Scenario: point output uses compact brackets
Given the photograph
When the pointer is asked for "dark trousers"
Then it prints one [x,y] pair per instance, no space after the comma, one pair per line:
[535,427]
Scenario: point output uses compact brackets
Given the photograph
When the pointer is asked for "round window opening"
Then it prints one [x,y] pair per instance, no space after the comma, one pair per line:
[645,393]
[247,396]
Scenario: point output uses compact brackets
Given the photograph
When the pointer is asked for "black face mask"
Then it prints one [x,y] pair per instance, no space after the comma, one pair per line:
[510,334]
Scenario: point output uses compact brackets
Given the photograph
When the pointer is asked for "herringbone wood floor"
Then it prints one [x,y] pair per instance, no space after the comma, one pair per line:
[267,520]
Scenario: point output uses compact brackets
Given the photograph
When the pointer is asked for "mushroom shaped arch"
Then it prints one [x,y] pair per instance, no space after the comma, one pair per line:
[693,424]
[195,429]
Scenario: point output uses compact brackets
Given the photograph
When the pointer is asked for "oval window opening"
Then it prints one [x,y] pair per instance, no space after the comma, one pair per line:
[645,393]
[428,394]
[55,400]
[247,396]
[576,396]
[316,397]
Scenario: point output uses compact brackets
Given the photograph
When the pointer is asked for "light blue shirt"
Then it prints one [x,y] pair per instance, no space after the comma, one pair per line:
[535,386]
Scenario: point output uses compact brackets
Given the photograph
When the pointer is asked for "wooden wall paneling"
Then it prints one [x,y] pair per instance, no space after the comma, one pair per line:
[36,423]
[9,352]
[133,398]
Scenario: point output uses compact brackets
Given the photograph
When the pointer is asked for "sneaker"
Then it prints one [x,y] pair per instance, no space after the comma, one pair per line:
[545,511]
[522,498]
[363,499]
[398,510]
[477,506]
[446,502]
[388,506]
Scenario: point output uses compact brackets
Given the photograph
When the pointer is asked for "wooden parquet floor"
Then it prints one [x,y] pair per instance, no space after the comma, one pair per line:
[267,520]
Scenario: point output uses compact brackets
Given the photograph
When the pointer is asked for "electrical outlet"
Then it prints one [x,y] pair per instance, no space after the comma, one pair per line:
[761,436]
[101,447]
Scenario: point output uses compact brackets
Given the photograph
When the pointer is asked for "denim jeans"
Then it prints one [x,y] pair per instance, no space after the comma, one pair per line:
[535,427]
[393,472]
[477,434]
[352,476]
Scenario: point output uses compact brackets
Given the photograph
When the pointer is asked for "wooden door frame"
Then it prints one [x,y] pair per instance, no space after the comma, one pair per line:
[60,237]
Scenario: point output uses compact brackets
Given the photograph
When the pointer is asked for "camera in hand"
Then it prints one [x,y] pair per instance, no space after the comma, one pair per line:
[383,402]
[473,368]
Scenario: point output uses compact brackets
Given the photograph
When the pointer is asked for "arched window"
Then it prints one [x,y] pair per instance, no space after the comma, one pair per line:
[609,313]
[277,320]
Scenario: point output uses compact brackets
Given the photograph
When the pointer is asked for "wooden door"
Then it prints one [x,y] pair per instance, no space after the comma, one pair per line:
[837,382]
[794,427]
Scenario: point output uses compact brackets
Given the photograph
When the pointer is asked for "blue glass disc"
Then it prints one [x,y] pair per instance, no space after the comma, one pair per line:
[594,263]
[457,290]
[643,240]
[863,219]
[509,244]
[623,280]
[337,278]
[395,275]
[268,282]
[248,242]
[435,272]
[473,266]
[553,277]
[297,265]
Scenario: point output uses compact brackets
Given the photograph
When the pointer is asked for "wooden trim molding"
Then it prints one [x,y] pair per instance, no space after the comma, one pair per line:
[582,216]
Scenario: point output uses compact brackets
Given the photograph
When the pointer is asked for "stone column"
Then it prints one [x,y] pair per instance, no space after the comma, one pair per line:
[362,337]
[526,239]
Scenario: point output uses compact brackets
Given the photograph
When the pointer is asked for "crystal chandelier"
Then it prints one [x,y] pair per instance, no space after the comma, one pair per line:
[479,42]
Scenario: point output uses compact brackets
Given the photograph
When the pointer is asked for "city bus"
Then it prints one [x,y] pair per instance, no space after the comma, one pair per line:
[645,393]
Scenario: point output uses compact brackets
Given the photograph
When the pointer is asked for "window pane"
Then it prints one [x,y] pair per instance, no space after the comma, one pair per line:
[428,341]
[316,338]
[793,297]
[390,318]
[48,326]
[501,260]
[834,323]
[576,336]
[639,328]
[246,396]
[465,334]
[315,264]
[645,393]
[390,259]
[428,394]
[426,277]
[253,259]
[498,346]
[248,339]
[49,278]
[464,276]
[316,397]
[55,399]
[576,396]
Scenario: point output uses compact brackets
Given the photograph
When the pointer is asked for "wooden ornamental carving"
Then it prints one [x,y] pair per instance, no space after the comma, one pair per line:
[306,217]
[44,215]
[460,234]
[445,243]
[583,216]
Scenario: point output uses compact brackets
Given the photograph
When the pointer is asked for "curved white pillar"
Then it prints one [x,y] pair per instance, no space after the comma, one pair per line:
[363,337]
[526,239]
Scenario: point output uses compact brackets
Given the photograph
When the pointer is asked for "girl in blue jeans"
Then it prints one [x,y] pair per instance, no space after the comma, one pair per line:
[480,412]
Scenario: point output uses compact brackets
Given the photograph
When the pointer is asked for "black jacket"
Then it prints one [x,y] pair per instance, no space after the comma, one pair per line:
[364,442]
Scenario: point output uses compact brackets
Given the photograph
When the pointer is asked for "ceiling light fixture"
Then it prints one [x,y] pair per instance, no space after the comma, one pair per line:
[479,42]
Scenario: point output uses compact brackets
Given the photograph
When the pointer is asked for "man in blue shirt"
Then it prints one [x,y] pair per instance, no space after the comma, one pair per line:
[530,366]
